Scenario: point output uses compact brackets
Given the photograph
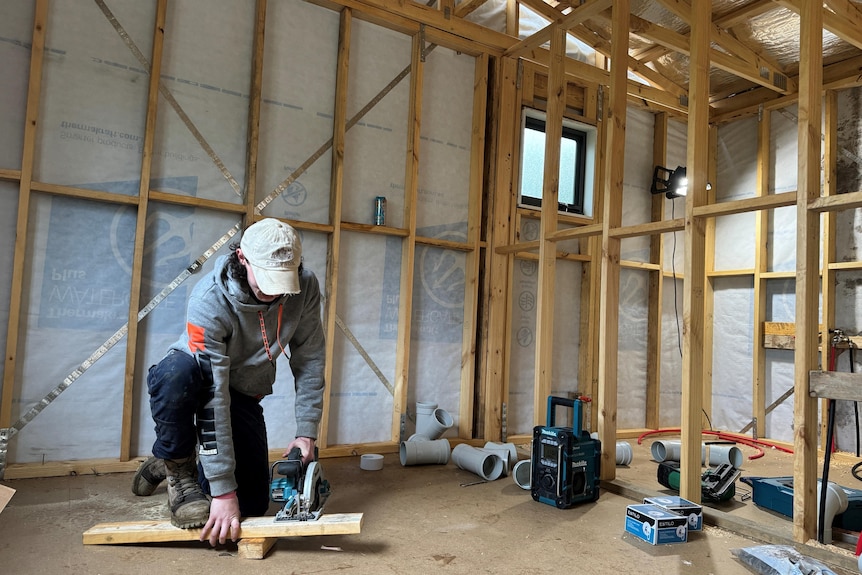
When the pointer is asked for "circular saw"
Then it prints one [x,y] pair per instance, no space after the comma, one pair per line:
[301,489]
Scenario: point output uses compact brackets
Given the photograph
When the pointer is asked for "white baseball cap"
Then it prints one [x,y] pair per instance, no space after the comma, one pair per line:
[274,251]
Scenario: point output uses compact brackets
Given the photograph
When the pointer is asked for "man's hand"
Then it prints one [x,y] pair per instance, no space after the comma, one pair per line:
[306,445]
[223,521]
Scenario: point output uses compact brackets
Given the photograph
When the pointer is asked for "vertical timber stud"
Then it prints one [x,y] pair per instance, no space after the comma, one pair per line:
[827,274]
[255,88]
[140,229]
[474,226]
[807,265]
[512,23]
[697,162]
[708,287]
[830,157]
[37,52]
[547,248]
[336,191]
[408,251]
[593,342]
[612,213]
[656,283]
[499,266]
[761,263]
[588,353]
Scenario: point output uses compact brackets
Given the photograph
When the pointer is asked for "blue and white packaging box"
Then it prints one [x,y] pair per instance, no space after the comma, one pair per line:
[656,525]
[684,507]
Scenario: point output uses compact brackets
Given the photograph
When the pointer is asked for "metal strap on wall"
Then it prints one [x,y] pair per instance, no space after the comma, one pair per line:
[136,52]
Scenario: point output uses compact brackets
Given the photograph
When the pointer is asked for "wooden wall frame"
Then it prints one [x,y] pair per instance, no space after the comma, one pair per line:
[518,71]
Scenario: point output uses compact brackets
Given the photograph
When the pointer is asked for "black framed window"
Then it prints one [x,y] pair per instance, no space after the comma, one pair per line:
[573,160]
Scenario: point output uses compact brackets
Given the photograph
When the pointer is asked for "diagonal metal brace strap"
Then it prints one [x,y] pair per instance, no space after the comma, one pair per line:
[169,97]
[7,433]
[352,339]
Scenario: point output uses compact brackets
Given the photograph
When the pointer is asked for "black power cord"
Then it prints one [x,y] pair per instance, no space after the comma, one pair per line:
[855,403]
[824,481]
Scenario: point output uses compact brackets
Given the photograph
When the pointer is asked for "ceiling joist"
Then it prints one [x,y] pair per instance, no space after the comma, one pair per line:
[842,19]
[467,7]
[755,69]
[743,13]
[726,40]
[583,12]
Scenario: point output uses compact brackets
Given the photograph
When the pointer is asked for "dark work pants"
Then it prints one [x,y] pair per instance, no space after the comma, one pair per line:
[179,388]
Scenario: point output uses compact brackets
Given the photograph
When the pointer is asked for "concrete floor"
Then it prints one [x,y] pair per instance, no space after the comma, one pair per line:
[416,520]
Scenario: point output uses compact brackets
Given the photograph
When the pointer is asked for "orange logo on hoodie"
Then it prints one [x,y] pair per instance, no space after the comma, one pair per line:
[196,337]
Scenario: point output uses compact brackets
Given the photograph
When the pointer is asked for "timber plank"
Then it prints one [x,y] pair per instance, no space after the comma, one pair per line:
[835,385]
[255,547]
[252,527]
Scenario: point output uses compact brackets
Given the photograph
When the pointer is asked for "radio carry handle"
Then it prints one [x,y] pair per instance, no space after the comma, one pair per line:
[577,411]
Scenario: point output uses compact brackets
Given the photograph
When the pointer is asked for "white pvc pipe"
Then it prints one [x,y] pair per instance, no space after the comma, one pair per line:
[428,452]
[486,465]
[503,454]
[718,454]
[433,425]
[426,406]
[424,410]
[836,502]
[624,453]
[509,447]
[665,450]
[522,473]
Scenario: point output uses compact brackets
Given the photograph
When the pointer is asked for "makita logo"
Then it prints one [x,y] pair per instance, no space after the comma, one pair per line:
[581,463]
[549,432]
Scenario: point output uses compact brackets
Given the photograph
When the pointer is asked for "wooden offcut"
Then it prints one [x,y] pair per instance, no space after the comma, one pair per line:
[255,547]
[252,528]
[6,494]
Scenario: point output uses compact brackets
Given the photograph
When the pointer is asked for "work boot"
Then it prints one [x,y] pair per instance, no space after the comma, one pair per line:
[148,476]
[189,506]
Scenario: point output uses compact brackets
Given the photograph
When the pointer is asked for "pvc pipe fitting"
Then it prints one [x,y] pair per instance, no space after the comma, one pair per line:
[509,447]
[371,462]
[430,452]
[624,453]
[425,406]
[522,473]
[836,502]
[434,424]
[486,465]
[718,454]
[664,450]
[503,454]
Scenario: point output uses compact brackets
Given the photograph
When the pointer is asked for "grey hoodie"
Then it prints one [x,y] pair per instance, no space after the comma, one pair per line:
[225,323]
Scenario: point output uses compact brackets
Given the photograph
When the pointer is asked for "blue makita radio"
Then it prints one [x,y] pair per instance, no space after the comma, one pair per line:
[566,462]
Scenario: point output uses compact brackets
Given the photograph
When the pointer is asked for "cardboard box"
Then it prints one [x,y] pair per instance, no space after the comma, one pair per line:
[656,525]
[680,506]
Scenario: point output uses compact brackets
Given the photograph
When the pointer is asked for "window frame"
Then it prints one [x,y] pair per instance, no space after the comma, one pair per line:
[584,137]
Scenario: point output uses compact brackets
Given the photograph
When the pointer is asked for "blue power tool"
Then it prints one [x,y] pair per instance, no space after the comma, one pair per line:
[301,489]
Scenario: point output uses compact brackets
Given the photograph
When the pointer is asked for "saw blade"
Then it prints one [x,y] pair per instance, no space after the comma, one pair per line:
[310,496]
